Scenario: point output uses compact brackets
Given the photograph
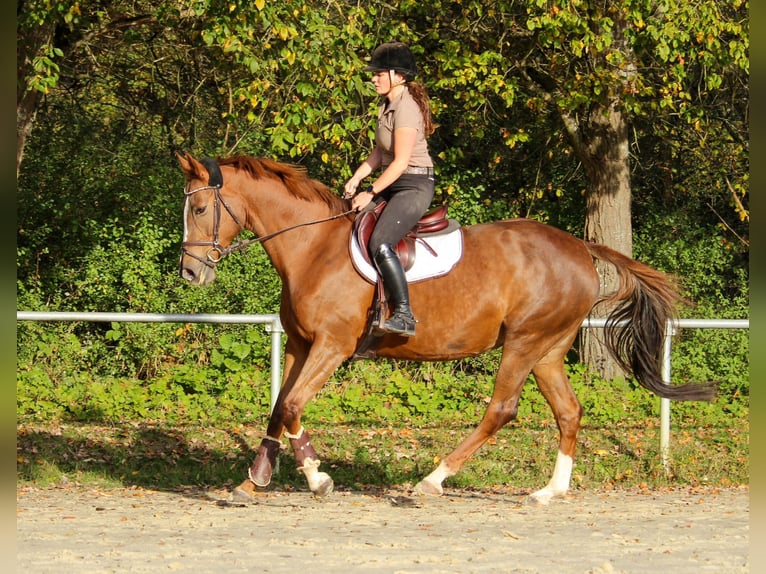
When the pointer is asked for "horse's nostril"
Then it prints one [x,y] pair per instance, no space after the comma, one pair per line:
[187,274]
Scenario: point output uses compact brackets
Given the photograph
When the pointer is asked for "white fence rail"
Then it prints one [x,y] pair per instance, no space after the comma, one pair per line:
[274,326]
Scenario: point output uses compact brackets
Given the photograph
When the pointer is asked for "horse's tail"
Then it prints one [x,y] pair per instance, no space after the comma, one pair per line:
[635,328]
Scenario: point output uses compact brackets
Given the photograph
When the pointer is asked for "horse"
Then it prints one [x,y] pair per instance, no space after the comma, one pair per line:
[520,285]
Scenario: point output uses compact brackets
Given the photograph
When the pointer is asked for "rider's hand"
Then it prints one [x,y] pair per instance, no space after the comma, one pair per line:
[360,201]
[350,188]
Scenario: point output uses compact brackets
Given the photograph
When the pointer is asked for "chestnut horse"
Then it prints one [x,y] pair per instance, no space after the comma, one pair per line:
[520,285]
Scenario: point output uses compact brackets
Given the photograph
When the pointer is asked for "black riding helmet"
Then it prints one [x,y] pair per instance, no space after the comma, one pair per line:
[393,56]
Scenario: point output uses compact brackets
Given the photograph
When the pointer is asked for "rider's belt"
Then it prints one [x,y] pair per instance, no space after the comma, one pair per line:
[419,170]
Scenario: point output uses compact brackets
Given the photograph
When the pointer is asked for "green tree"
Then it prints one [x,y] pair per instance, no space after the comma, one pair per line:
[37,69]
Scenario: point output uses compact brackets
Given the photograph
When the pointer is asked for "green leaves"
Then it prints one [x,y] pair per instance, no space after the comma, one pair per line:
[46,70]
[232,353]
[288,65]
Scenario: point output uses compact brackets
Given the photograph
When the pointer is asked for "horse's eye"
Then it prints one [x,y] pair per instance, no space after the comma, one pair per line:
[200,210]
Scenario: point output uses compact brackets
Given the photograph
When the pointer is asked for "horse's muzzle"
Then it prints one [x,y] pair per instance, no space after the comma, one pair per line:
[196,272]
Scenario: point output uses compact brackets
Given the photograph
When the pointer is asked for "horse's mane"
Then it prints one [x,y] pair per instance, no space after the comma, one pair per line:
[295,179]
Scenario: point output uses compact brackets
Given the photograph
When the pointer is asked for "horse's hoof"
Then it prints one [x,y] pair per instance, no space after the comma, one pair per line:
[426,488]
[542,497]
[241,495]
[325,486]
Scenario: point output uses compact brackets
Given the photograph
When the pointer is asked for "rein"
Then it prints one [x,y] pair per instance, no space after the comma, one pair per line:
[215,246]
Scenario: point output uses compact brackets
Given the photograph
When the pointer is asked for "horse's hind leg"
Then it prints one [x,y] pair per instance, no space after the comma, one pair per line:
[502,409]
[554,384]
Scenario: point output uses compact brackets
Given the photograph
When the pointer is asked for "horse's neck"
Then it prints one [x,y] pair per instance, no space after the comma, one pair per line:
[301,234]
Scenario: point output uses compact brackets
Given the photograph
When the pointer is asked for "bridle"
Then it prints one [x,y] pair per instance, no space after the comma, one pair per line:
[217,251]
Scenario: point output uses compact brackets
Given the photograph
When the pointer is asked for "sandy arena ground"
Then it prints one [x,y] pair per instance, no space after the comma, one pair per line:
[76,530]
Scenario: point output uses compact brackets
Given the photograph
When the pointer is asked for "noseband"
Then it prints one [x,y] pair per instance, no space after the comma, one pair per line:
[216,251]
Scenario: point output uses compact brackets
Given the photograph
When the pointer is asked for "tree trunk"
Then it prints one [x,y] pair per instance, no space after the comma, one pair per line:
[29,43]
[600,138]
[26,108]
[603,148]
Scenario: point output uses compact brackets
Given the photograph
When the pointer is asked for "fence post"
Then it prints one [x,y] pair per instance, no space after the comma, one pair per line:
[276,330]
[667,349]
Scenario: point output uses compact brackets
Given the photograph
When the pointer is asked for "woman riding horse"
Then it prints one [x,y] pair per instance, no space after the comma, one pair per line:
[406,181]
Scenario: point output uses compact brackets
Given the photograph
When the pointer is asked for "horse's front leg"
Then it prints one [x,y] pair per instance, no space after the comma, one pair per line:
[320,483]
[260,472]
[305,373]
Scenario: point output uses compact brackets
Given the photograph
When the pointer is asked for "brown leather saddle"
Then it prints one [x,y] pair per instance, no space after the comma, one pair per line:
[434,221]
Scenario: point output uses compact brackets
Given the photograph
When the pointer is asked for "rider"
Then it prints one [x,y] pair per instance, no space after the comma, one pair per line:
[406,180]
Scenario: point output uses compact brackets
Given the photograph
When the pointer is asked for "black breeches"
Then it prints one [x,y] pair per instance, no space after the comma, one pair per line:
[409,197]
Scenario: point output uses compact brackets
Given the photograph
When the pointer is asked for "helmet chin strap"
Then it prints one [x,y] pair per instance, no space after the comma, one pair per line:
[391,83]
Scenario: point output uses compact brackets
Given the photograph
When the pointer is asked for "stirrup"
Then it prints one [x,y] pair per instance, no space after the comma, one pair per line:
[400,323]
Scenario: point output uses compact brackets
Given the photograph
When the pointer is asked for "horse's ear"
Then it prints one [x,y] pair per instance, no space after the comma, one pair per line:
[204,169]
[187,163]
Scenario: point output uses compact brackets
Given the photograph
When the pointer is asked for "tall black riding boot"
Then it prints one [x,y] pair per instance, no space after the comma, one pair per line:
[401,322]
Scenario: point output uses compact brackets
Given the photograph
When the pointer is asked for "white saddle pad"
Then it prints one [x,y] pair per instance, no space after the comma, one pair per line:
[448,248]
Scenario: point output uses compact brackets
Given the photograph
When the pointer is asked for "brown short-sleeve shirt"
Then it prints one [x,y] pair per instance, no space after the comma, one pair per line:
[403,112]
